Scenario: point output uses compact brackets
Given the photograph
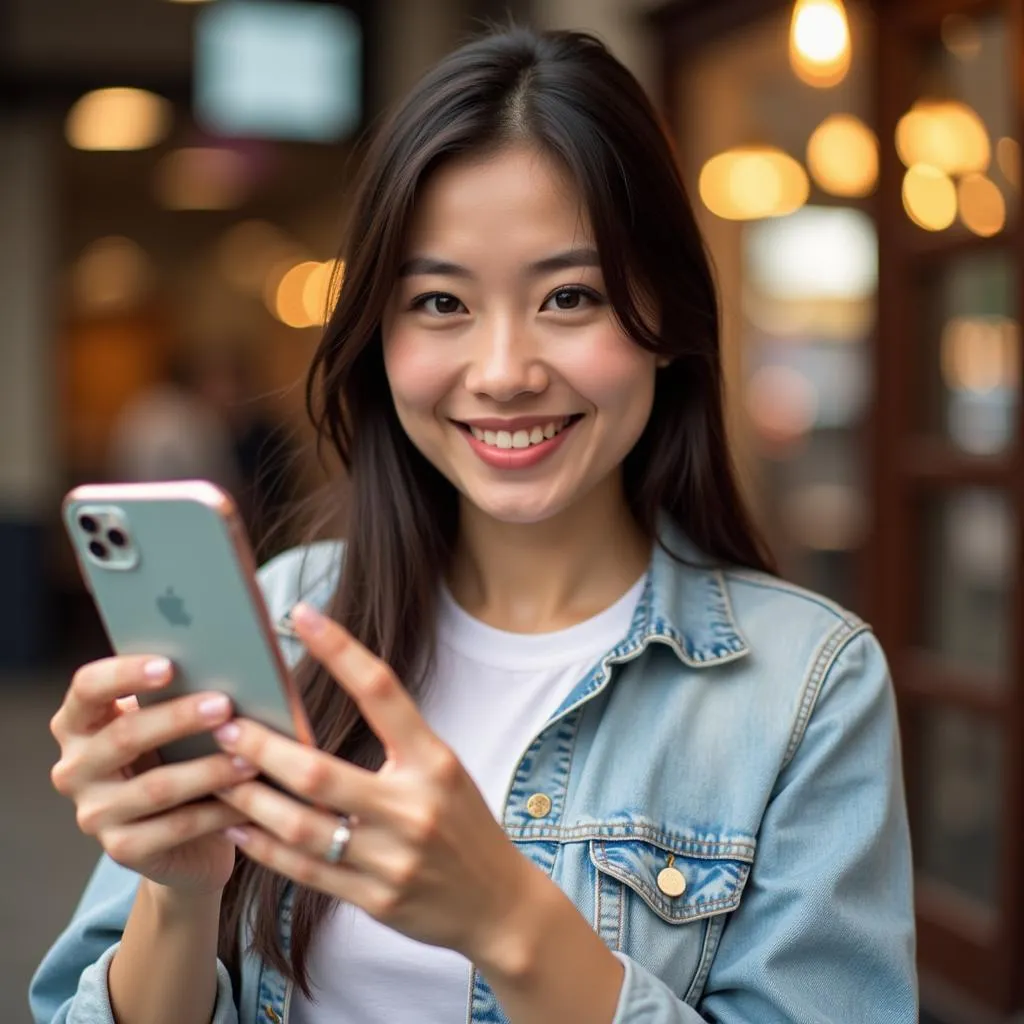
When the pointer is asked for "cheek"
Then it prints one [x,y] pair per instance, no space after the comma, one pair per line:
[417,372]
[614,374]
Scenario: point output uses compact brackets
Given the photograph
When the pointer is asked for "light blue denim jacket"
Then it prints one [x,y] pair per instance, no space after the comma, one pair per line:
[743,731]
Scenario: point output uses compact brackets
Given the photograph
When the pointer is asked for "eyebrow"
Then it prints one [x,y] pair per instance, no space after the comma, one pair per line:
[568,260]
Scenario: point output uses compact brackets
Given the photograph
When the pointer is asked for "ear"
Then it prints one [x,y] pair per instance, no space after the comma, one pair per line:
[662,361]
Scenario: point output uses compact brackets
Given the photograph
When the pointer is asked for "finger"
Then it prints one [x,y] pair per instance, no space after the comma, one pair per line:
[302,827]
[161,789]
[95,687]
[133,843]
[388,709]
[130,736]
[317,777]
[338,880]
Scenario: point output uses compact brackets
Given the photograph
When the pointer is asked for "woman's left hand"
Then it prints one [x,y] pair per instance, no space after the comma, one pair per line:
[426,856]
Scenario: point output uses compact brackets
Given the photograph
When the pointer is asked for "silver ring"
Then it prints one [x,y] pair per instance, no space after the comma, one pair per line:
[339,841]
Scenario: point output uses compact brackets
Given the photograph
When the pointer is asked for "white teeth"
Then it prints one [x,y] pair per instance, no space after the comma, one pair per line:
[521,438]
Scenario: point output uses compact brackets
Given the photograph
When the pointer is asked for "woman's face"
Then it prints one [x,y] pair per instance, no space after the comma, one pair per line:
[508,369]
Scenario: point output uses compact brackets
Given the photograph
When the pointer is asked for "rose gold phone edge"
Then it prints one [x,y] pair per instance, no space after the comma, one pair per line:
[223,505]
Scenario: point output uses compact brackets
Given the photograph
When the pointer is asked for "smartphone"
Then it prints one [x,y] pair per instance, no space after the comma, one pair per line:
[171,572]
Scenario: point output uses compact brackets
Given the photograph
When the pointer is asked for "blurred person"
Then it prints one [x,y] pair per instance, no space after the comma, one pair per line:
[172,431]
[582,756]
[263,454]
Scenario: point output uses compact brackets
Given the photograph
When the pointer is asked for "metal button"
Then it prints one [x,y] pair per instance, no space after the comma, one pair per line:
[539,805]
[670,879]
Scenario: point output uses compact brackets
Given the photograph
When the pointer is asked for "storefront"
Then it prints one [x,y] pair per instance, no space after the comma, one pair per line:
[872,332]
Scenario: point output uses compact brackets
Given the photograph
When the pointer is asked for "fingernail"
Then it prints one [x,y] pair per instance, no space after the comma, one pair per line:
[241,765]
[227,733]
[237,835]
[156,670]
[214,707]
[303,615]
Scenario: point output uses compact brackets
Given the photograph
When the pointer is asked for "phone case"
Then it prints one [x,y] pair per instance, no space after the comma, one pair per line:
[177,577]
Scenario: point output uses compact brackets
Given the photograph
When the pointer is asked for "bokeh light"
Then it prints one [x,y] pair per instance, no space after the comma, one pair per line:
[981,354]
[111,275]
[842,155]
[929,197]
[982,207]
[118,120]
[946,134]
[819,42]
[202,178]
[752,182]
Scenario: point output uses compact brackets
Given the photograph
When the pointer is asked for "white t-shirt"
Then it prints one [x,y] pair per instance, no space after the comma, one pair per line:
[490,694]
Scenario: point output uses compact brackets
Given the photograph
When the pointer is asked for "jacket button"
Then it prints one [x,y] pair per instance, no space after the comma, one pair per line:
[671,881]
[539,805]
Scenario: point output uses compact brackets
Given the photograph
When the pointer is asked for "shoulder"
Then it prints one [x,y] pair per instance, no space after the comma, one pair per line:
[306,573]
[805,647]
[773,614]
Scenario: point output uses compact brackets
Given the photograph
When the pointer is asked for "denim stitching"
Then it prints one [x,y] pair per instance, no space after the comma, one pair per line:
[673,843]
[701,907]
[709,948]
[833,647]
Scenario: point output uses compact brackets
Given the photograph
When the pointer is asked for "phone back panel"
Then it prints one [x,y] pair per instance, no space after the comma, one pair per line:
[190,595]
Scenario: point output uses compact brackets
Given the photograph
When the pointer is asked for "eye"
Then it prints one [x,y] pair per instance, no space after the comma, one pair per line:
[571,298]
[439,304]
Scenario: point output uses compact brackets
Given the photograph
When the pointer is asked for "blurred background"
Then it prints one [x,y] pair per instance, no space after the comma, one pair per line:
[173,180]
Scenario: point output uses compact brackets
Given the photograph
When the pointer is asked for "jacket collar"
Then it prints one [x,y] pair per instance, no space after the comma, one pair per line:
[686,602]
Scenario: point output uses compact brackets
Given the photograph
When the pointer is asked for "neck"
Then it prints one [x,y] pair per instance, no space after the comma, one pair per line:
[539,577]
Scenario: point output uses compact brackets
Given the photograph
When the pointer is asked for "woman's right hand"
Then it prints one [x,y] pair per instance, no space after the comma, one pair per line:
[162,821]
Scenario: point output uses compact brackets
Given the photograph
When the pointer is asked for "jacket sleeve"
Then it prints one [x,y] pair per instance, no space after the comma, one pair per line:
[70,985]
[825,929]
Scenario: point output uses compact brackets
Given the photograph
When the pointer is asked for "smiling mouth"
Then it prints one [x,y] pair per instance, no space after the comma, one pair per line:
[505,440]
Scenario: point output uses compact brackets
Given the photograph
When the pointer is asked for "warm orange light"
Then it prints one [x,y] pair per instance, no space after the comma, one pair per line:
[752,182]
[819,42]
[929,197]
[842,155]
[284,294]
[982,207]
[961,37]
[946,134]
[981,354]
[118,119]
[321,289]
[1008,158]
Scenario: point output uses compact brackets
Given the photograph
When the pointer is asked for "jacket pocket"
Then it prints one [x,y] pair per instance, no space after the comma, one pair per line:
[664,903]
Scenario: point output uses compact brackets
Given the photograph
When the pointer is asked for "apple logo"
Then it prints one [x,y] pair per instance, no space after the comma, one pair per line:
[172,608]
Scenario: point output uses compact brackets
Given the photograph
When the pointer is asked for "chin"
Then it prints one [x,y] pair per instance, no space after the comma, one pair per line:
[517,511]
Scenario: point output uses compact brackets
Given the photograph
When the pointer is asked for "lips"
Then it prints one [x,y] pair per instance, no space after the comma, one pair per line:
[519,448]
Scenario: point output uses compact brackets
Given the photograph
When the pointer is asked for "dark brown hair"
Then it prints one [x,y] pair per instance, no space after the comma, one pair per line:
[565,93]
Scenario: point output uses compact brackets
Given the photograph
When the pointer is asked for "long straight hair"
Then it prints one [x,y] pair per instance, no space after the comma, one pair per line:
[564,93]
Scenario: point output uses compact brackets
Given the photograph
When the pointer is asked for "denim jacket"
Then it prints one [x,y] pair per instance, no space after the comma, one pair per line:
[742,732]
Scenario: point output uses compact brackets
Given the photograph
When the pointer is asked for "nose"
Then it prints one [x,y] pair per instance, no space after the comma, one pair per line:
[505,362]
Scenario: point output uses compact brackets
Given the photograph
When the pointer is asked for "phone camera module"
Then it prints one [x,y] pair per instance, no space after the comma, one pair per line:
[117,537]
[89,524]
[97,549]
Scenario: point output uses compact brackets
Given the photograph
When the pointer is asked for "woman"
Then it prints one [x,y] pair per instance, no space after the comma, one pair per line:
[582,758]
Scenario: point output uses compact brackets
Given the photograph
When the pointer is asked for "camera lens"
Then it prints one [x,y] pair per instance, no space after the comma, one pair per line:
[88,524]
[98,549]
[117,538]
